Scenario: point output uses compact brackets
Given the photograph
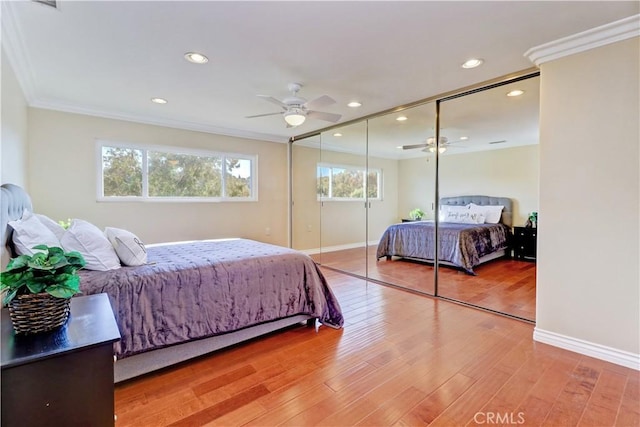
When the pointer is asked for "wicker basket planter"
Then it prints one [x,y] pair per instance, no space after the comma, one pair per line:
[33,313]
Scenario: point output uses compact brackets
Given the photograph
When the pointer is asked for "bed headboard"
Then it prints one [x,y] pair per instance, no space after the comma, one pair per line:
[13,201]
[507,212]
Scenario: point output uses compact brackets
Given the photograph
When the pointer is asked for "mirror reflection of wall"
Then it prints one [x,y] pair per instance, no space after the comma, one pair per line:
[305,211]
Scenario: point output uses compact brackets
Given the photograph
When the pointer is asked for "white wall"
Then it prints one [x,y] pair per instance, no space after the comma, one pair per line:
[13,130]
[588,241]
[62,177]
[509,172]
[13,135]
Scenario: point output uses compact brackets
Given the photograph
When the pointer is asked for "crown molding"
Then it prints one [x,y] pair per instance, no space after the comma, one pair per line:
[170,123]
[16,52]
[606,34]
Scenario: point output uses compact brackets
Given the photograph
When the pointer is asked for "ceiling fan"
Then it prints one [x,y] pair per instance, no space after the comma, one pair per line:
[430,145]
[295,110]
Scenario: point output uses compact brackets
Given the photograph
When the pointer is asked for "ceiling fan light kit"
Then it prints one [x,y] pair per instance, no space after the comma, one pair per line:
[294,117]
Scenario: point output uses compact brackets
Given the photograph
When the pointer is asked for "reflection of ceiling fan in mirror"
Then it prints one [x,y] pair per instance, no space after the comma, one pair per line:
[295,110]
[430,145]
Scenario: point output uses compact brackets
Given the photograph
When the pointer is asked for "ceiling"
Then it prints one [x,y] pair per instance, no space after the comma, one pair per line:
[109,58]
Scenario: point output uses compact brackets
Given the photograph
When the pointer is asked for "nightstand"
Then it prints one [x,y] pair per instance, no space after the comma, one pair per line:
[409,220]
[524,243]
[65,376]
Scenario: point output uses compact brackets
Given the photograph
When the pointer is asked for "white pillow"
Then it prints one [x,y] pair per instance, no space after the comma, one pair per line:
[128,246]
[86,238]
[492,213]
[468,217]
[55,228]
[28,232]
[445,209]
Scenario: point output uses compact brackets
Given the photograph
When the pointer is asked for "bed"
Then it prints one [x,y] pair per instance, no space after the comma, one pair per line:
[463,246]
[191,298]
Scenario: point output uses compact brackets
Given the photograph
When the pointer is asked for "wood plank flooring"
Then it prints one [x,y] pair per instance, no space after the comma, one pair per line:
[503,285]
[400,360]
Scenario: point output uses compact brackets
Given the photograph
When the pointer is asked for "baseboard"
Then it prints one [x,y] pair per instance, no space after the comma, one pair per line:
[314,251]
[598,351]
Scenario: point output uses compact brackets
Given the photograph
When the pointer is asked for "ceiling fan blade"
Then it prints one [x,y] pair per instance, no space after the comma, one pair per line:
[498,142]
[411,147]
[262,115]
[329,117]
[273,100]
[320,102]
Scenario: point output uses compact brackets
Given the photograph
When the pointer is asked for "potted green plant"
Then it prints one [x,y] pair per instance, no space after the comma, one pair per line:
[37,288]
[416,214]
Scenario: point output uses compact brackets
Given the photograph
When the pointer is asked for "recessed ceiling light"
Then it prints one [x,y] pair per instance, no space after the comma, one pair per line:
[196,58]
[464,138]
[516,92]
[354,104]
[337,134]
[159,100]
[401,118]
[472,63]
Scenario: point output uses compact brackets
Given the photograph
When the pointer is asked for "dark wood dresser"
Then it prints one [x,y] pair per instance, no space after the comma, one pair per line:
[61,377]
[525,243]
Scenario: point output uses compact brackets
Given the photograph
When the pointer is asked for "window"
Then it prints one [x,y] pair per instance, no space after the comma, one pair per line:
[174,174]
[338,182]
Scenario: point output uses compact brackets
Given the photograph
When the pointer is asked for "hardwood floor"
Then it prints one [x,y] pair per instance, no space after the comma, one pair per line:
[503,285]
[400,360]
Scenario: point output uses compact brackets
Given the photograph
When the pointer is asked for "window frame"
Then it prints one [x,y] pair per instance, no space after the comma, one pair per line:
[145,148]
[364,170]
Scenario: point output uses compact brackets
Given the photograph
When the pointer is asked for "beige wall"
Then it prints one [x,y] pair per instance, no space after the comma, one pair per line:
[509,172]
[62,176]
[588,247]
[13,133]
[338,223]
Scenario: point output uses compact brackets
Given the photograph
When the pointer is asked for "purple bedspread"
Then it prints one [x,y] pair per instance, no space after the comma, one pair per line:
[199,289]
[460,244]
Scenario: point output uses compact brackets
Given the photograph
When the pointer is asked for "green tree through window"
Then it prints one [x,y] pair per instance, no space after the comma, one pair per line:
[347,183]
[175,174]
[121,171]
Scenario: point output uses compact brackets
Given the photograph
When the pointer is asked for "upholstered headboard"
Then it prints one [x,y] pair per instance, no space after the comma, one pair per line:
[13,201]
[507,212]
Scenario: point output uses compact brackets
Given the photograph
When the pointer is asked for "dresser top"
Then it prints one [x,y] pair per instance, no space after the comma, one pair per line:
[91,323]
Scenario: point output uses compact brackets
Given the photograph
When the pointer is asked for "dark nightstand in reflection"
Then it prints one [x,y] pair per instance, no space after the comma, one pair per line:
[525,243]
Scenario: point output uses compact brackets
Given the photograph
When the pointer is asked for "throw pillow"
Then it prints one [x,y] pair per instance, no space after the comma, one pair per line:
[127,245]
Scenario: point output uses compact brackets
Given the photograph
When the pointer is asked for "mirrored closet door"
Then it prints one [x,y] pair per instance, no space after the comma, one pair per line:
[401,218]
[329,197]
[489,159]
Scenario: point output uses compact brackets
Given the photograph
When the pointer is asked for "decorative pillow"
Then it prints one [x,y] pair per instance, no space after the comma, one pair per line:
[28,232]
[55,228]
[492,213]
[468,217]
[86,238]
[444,209]
[128,246]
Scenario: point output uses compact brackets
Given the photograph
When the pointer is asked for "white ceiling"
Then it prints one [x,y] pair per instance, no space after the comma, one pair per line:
[109,58]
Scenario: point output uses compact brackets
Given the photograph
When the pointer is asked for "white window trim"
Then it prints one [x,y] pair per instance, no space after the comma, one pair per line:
[362,169]
[100,143]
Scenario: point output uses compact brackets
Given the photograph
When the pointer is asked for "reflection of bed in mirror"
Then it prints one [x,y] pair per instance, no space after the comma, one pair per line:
[462,245]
